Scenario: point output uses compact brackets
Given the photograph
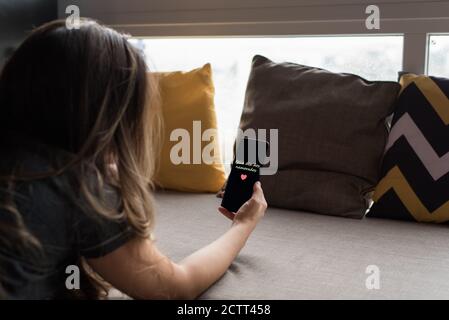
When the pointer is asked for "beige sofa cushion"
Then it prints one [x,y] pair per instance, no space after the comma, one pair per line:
[294,255]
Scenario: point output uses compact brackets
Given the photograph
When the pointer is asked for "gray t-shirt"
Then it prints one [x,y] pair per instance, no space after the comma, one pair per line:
[65,231]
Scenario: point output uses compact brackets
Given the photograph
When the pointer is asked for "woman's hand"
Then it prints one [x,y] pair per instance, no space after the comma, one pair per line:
[251,211]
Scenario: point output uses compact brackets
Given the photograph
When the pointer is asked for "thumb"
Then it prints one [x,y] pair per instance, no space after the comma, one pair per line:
[257,188]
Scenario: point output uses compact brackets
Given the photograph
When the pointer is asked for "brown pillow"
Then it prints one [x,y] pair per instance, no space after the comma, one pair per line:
[332,134]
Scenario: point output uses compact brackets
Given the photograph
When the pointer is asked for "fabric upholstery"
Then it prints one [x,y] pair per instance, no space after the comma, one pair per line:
[415,183]
[188,104]
[332,134]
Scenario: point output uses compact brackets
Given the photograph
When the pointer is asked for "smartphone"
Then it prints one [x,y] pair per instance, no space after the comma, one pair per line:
[249,157]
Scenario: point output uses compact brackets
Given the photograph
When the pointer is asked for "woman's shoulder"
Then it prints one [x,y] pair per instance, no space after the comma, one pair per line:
[31,158]
[29,173]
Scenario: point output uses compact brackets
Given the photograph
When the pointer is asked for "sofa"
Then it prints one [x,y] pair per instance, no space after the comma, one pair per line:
[333,129]
[298,255]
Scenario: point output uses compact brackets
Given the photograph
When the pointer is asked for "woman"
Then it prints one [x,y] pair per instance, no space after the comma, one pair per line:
[78,130]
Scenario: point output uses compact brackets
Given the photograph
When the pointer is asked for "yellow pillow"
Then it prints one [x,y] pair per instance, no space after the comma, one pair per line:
[188,112]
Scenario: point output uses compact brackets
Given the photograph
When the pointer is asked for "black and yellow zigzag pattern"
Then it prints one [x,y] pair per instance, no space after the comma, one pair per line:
[415,183]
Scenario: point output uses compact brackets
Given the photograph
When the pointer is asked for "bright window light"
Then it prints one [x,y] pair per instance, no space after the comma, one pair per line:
[372,57]
[439,55]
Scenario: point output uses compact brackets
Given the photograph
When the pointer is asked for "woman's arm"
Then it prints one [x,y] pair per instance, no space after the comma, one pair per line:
[140,270]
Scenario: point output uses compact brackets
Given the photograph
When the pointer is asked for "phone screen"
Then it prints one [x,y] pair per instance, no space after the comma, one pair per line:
[249,157]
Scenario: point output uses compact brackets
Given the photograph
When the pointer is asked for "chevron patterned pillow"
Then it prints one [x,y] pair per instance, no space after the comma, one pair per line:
[415,169]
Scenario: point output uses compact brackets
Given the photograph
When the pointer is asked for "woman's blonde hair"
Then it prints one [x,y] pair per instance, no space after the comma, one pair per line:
[87,93]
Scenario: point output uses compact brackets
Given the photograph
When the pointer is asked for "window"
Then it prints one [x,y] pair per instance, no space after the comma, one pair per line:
[439,55]
[372,57]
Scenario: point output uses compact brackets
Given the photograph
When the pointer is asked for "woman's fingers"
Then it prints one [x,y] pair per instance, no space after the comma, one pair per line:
[258,192]
[250,207]
[220,194]
[226,213]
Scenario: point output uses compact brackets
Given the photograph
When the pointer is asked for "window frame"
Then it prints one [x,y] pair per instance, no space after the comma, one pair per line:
[414,19]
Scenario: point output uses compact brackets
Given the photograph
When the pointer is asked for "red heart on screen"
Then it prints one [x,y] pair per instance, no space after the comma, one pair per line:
[243,177]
